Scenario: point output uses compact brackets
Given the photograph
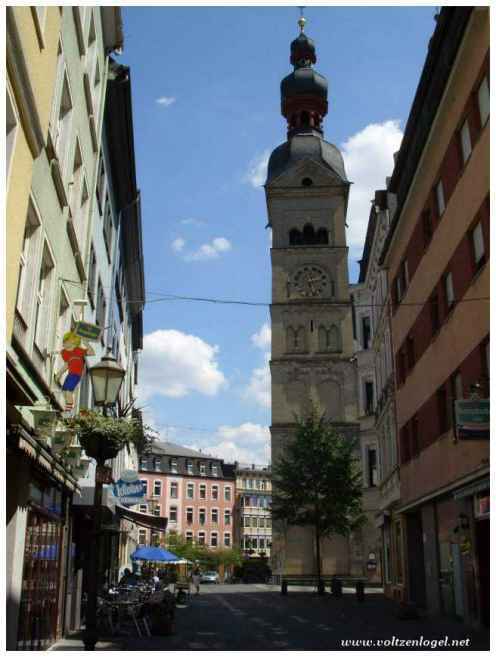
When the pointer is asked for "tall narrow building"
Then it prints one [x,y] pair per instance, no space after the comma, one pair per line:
[312,333]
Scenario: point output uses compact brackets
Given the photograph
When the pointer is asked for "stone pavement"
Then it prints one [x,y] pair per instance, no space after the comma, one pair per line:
[257,617]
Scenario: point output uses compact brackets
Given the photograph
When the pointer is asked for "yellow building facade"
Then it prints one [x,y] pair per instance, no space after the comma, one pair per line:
[32,41]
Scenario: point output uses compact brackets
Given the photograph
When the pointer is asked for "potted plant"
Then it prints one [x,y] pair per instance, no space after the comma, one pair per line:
[102,437]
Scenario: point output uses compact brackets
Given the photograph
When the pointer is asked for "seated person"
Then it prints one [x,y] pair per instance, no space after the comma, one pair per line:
[128,578]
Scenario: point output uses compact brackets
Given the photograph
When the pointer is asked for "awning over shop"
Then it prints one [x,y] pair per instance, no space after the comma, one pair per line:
[142,519]
[472,489]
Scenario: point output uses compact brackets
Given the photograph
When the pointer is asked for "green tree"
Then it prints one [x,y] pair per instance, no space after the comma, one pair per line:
[317,482]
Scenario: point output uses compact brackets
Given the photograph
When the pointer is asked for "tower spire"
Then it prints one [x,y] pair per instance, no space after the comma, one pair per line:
[303,92]
[302,20]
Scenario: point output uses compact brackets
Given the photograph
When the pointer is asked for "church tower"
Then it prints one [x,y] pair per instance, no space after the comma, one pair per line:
[312,333]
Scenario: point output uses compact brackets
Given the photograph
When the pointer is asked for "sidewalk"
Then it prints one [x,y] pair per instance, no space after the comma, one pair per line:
[75,642]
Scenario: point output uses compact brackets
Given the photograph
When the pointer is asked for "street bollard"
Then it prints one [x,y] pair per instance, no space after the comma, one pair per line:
[284,587]
[336,587]
[360,591]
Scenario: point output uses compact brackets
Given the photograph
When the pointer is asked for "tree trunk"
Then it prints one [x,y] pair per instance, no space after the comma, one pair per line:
[320,583]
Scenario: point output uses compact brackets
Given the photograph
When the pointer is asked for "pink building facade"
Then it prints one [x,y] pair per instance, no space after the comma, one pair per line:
[194,491]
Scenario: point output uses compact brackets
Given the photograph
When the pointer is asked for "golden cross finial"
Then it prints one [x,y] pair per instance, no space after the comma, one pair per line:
[302,20]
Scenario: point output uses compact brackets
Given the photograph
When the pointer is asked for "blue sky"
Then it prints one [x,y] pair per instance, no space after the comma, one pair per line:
[206,110]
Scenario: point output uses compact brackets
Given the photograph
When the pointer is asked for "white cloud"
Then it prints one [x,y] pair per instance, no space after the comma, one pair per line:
[247,443]
[178,244]
[257,170]
[175,364]
[262,339]
[210,251]
[165,101]
[368,158]
[258,388]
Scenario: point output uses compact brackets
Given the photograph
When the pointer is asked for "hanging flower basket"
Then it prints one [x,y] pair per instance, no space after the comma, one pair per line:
[82,469]
[62,438]
[103,437]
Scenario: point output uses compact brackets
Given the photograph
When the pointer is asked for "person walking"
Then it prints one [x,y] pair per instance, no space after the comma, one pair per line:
[196,579]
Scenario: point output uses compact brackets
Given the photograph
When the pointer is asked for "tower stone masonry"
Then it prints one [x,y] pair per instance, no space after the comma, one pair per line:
[312,333]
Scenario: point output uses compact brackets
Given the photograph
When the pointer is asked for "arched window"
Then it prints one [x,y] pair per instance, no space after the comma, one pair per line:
[308,234]
[322,236]
[334,339]
[294,237]
[295,339]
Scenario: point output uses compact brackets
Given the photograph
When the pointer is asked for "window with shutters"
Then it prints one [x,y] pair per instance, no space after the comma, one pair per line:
[11,122]
[483,101]
[43,302]
[478,245]
[440,198]
[27,265]
[92,277]
[465,141]
[449,290]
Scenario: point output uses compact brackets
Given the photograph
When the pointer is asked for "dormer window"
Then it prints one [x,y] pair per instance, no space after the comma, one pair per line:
[203,469]
[215,469]
[189,467]
[173,465]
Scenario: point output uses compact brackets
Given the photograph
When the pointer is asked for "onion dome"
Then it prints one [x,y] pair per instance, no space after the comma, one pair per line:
[303,92]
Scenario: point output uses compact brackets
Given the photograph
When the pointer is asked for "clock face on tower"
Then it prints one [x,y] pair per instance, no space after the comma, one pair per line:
[310,281]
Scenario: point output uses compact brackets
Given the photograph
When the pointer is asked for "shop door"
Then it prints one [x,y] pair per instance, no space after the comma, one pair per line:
[38,613]
[482,542]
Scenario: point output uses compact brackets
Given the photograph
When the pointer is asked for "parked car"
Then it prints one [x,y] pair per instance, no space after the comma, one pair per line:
[210,577]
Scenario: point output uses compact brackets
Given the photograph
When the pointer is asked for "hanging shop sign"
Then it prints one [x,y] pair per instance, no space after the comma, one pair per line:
[128,489]
[73,354]
[472,419]
[88,331]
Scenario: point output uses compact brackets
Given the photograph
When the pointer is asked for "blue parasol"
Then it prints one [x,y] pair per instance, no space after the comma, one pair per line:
[149,553]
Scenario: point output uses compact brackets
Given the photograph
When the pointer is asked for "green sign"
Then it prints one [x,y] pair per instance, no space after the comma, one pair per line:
[88,331]
[472,419]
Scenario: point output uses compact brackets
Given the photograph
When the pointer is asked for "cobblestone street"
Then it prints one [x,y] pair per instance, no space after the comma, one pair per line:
[257,617]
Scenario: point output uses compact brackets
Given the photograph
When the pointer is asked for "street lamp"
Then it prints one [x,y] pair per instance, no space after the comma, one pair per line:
[107,377]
